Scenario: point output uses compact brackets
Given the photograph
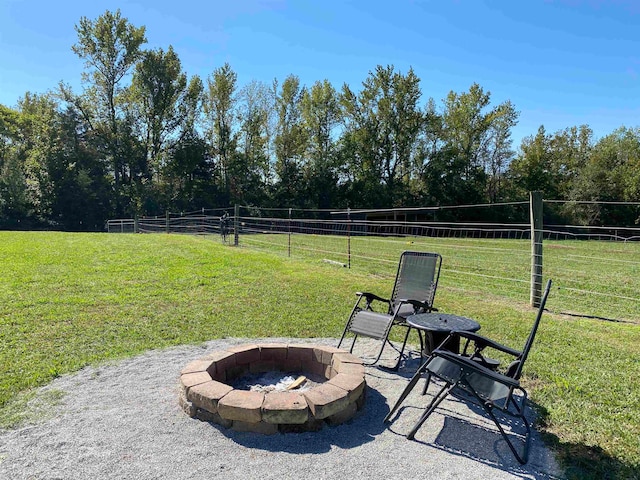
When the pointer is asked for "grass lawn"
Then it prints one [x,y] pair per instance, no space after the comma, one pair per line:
[69,300]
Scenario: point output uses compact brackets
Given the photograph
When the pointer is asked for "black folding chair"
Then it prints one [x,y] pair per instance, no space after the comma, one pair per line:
[413,292]
[491,389]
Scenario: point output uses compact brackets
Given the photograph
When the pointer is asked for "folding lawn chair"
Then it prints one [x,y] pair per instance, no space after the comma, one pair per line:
[413,292]
[491,389]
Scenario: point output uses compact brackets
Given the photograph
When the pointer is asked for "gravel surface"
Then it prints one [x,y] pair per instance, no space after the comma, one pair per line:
[123,421]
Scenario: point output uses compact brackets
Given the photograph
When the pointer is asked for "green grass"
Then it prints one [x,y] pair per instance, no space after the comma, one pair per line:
[590,278]
[70,300]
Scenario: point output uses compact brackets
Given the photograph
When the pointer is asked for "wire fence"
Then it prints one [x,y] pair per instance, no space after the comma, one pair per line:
[595,270]
[201,222]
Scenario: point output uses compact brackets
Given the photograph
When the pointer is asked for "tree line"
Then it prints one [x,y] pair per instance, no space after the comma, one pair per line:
[143,138]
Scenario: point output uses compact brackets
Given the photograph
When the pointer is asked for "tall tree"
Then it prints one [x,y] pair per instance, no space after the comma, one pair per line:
[383,123]
[534,168]
[188,175]
[220,113]
[476,147]
[110,46]
[41,134]
[256,114]
[572,148]
[498,148]
[320,110]
[13,184]
[157,87]
[65,183]
[610,174]
[290,142]
[550,163]
[82,188]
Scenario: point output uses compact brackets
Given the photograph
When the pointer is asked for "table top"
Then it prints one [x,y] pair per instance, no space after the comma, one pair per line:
[442,322]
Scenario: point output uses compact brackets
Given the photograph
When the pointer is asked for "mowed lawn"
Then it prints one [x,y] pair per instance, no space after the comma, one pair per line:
[70,300]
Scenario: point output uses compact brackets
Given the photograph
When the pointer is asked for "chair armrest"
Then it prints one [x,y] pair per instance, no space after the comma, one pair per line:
[372,296]
[483,342]
[467,363]
[416,303]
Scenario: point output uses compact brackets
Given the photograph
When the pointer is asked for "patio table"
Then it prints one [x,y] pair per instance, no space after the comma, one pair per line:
[437,326]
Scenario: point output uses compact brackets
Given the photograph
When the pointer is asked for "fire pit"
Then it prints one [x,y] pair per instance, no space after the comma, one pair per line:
[336,395]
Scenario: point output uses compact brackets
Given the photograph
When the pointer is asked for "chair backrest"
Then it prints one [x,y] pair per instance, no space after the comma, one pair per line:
[532,334]
[417,277]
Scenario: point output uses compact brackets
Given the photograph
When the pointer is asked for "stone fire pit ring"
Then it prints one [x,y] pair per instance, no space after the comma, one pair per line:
[206,391]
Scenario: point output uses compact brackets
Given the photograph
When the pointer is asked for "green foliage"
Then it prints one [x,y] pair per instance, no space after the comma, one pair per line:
[13,186]
[611,174]
[219,108]
[289,142]
[110,46]
[476,148]
[552,163]
[158,88]
[320,109]
[383,123]
[252,170]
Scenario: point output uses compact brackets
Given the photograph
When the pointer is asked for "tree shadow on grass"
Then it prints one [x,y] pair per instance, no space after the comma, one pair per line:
[585,462]
[590,462]
[363,428]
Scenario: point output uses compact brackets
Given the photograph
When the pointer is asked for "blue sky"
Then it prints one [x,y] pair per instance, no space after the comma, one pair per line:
[561,62]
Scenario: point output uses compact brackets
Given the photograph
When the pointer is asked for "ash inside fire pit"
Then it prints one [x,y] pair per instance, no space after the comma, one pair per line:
[278,382]
[216,388]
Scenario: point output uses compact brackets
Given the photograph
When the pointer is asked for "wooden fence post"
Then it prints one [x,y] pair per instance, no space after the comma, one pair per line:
[535,203]
[167,222]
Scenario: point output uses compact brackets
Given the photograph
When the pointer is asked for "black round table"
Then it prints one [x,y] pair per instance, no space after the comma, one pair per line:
[437,326]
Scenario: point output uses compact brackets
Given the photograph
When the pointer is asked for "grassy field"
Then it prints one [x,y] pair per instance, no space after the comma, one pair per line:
[69,300]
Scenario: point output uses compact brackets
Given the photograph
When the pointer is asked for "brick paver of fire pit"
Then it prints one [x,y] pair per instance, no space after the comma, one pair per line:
[207,394]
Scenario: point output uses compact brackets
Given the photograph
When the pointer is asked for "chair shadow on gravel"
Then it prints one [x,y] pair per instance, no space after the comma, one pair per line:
[361,429]
[485,445]
[472,435]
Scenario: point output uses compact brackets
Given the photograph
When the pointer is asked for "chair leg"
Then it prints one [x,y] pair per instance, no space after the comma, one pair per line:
[346,327]
[342,338]
[396,367]
[442,394]
[406,391]
[525,452]
[353,344]
[379,355]
[426,384]
[344,334]
[522,459]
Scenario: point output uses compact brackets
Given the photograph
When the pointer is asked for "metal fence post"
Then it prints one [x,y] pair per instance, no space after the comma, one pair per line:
[236,224]
[349,237]
[535,204]
[289,239]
